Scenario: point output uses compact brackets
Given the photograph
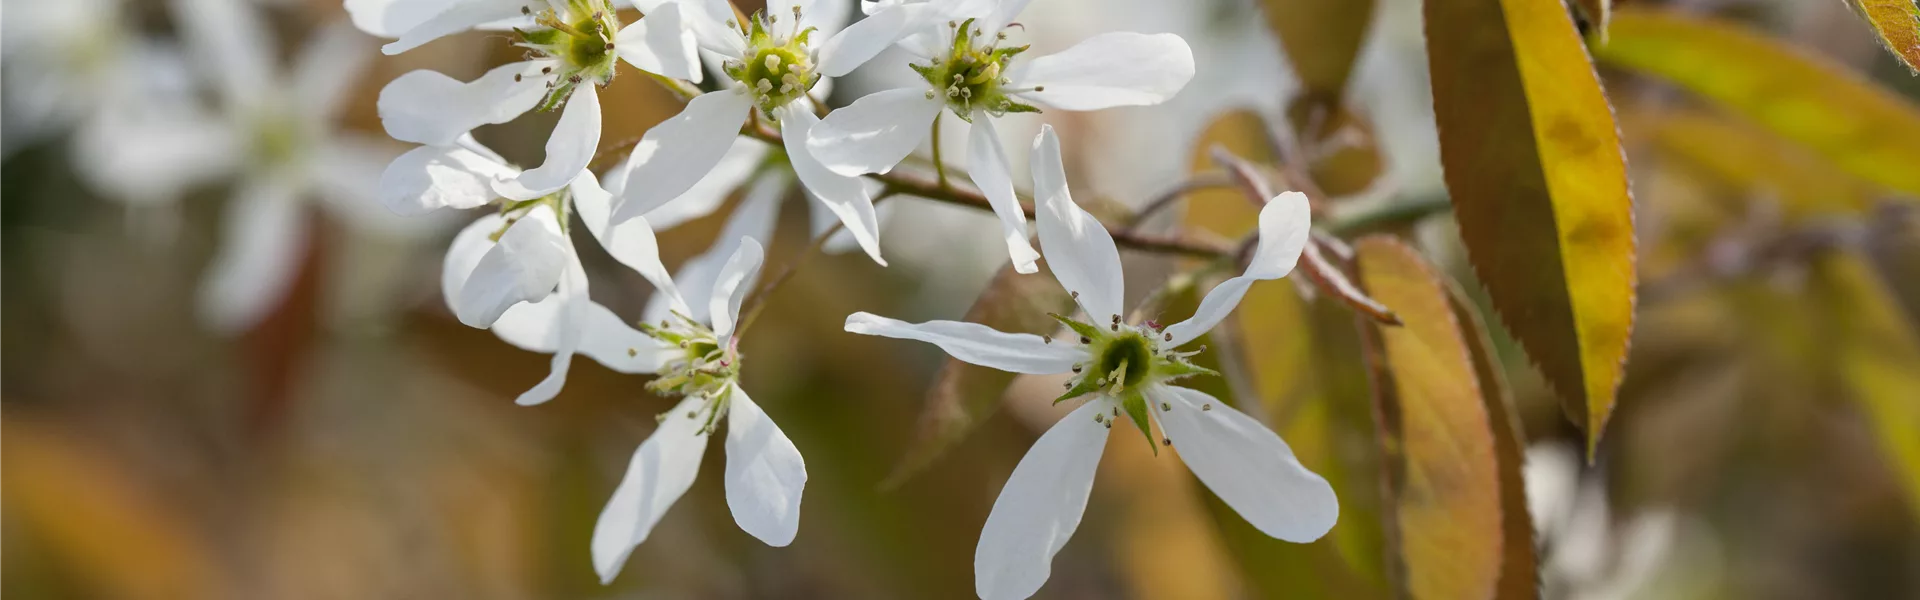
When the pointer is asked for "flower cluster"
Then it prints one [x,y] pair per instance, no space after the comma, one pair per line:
[755,113]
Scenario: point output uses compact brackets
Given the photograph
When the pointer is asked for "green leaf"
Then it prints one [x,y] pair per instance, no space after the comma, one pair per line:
[1898,23]
[963,395]
[1535,170]
[1864,129]
[1877,352]
[1460,511]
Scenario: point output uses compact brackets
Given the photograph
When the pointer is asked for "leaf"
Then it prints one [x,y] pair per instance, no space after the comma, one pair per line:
[1864,129]
[963,395]
[1534,167]
[1877,351]
[1898,23]
[1597,13]
[1321,38]
[1755,162]
[1461,521]
[1520,569]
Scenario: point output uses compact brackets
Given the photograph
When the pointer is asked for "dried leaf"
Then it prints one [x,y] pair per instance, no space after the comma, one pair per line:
[1864,129]
[1460,510]
[1898,23]
[962,394]
[1877,352]
[1534,167]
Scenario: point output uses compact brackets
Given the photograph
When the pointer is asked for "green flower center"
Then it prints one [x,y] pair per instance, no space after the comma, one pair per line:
[703,368]
[1124,359]
[582,41]
[971,75]
[779,68]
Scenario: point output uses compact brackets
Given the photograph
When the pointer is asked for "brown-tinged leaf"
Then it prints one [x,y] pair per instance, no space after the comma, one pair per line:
[1596,13]
[1755,162]
[1450,498]
[1898,23]
[1520,566]
[1877,352]
[1539,186]
[962,394]
[1322,38]
[1865,129]
[1337,146]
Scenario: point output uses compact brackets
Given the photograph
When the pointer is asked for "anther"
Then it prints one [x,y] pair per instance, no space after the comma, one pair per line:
[1076,368]
[1164,407]
[546,70]
[516,78]
[692,414]
[773,61]
[1116,326]
[1166,441]
[1085,340]
[1099,418]
[1116,318]
[1046,339]
[929,94]
[683,344]
[1167,337]
[1206,407]
[632,353]
[609,45]
[526,11]
[1039,88]
[575,78]
[1076,295]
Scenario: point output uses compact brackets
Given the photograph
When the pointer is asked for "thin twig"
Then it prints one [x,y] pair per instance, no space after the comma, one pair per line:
[1203,181]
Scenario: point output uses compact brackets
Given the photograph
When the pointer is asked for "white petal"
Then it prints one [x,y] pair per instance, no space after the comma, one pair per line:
[328,68]
[875,132]
[425,107]
[1004,11]
[344,174]
[708,19]
[765,474]
[570,148]
[390,18]
[632,243]
[1079,250]
[468,247]
[524,266]
[532,326]
[264,236]
[1040,507]
[458,17]
[988,167]
[1285,224]
[571,325]
[1108,70]
[661,43]
[678,153]
[753,218]
[434,177]
[1246,465]
[660,472]
[846,196]
[731,288]
[740,162]
[829,17]
[978,344]
[610,341]
[856,45]
[230,40]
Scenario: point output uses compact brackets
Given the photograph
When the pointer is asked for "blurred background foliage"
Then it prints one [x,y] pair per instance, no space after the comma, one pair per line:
[1764,440]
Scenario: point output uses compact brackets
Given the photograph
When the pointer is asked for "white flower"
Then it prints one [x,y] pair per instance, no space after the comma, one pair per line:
[699,358]
[771,64]
[970,70]
[1124,369]
[577,43]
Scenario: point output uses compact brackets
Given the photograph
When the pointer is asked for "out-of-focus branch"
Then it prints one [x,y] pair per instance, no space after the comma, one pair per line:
[1742,253]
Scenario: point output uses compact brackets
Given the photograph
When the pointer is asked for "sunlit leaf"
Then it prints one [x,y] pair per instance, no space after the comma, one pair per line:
[1877,351]
[1866,130]
[1538,181]
[1898,23]
[962,394]
[1461,518]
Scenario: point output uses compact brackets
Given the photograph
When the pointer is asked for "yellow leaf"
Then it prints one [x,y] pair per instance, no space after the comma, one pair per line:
[1898,23]
[1877,351]
[1864,129]
[1321,38]
[1461,519]
[1534,167]
[1755,163]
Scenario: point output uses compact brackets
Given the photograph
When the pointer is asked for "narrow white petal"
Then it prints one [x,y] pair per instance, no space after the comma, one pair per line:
[746,157]
[571,325]
[987,165]
[1108,70]
[709,21]
[829,17]
[661,43]
[862,41]
[846,196]
[660,472]
[433,177]
[731,288]
[328,68]
[468,247]
[765,474]
[524,266]
[978,344]
[1246,465]
[426,107]
[265,234]
[875,132]
[678,153]
[632,243]
[570,148]
[1285,225]
[1079,250]
[1004,12]
[231,40]
[391,18]
[611,341]
[753,219]
[1040,507]
[458,17]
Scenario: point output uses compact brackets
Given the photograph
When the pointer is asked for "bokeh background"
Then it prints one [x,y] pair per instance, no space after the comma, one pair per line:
[359,442]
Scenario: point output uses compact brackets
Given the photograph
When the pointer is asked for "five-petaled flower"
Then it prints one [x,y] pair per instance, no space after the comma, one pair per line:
[1124,369]
[970,70]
